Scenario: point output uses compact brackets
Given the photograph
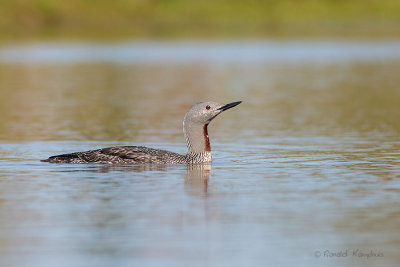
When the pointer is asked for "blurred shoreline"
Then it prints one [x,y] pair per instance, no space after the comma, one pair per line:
[149,20]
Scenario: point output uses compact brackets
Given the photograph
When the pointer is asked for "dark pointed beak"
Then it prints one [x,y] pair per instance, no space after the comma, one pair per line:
[230,105]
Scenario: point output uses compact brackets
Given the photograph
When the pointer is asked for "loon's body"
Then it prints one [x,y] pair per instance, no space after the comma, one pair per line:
[195,130]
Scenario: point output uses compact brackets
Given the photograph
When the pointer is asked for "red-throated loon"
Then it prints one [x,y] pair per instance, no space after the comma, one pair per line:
[194,128]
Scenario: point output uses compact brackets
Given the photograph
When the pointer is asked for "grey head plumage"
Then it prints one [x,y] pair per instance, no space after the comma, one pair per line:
[195,131]
[195,128]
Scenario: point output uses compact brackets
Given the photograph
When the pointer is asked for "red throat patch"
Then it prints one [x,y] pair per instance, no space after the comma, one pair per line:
[207,146]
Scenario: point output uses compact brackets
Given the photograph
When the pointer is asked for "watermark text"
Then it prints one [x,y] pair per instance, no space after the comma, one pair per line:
[349,253]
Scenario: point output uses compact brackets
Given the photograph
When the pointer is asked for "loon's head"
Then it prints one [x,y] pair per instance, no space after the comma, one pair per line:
[195,128]
[204,112]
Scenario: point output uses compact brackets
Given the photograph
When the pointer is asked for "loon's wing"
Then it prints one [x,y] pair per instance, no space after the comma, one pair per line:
[120,154]
[141,154]
[126,154]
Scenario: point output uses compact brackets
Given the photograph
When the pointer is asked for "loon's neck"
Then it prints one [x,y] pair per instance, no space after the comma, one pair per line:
[198,142]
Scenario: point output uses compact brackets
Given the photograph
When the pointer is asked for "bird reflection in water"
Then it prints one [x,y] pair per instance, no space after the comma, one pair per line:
[197,175]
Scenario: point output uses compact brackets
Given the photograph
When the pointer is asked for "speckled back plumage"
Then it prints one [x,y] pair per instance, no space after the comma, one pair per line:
[195,129]
[121,155]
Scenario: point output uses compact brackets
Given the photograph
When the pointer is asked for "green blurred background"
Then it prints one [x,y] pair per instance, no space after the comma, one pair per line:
[180,19]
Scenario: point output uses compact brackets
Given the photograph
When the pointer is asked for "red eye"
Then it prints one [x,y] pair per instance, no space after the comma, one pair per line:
[208,107]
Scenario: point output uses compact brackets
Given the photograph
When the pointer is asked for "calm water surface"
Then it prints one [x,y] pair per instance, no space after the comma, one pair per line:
[306,170]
